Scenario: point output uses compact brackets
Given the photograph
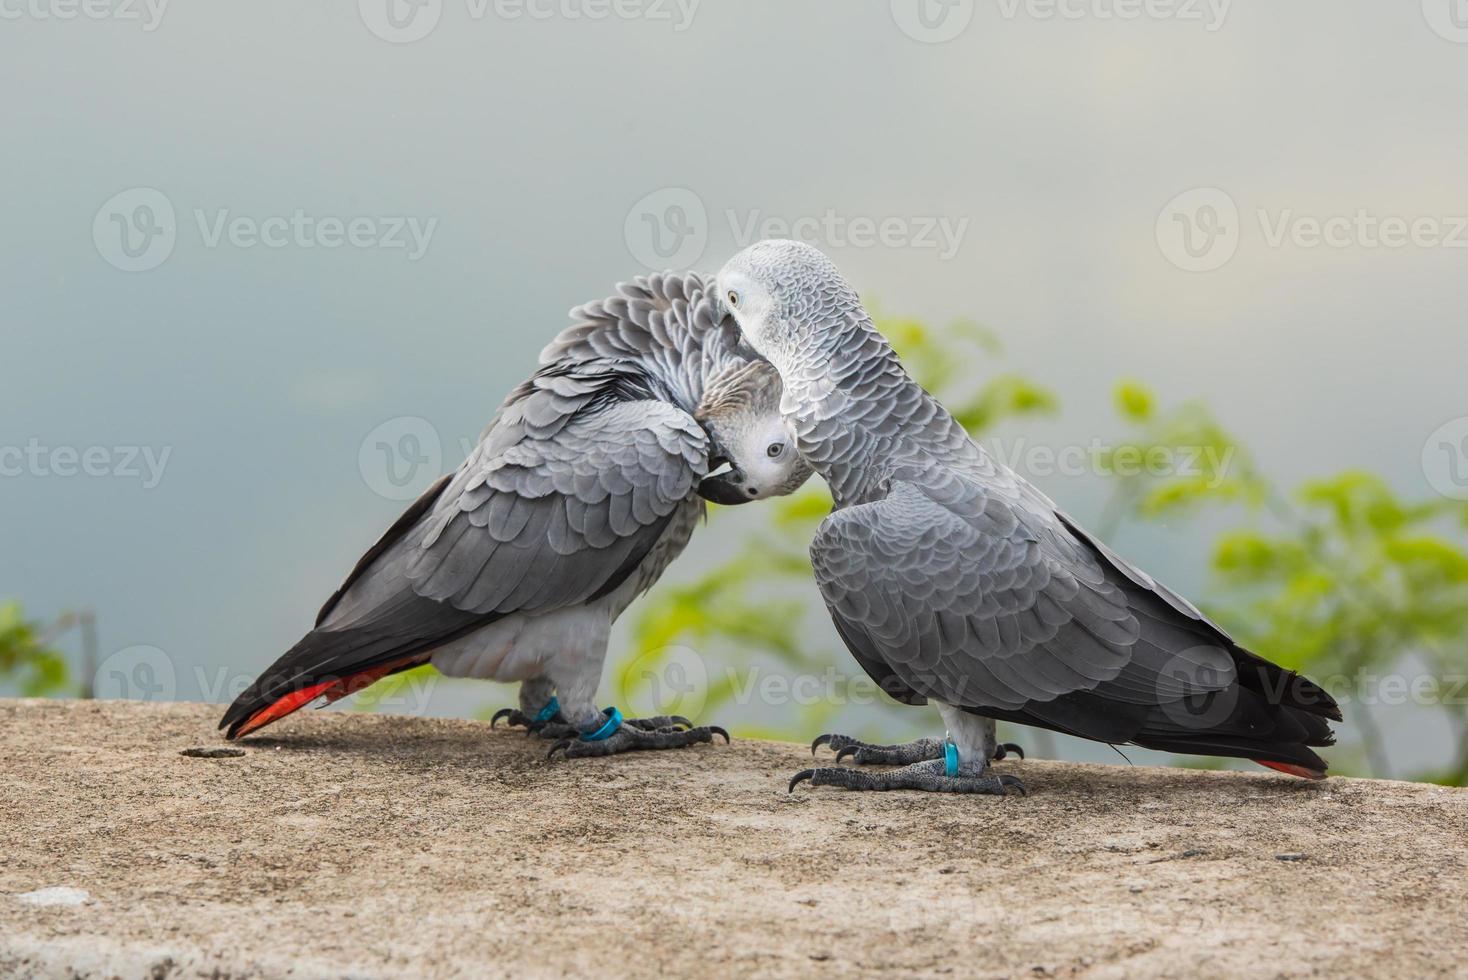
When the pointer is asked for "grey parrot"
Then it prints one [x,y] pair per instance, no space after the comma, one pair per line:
[953,580]
[577,497]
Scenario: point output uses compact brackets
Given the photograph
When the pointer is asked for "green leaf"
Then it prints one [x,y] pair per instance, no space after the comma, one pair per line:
[1136,402]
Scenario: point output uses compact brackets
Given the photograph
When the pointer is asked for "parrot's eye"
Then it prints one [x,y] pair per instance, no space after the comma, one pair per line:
[733,299]
[776,448]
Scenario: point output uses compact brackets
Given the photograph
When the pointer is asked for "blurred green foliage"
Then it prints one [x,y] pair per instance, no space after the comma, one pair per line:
[1339,578]
[26,654]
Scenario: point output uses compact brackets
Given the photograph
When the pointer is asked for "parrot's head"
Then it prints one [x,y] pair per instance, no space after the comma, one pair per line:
[789,300]
[741,413]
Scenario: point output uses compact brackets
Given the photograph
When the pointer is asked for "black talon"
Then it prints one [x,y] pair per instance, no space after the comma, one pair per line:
[716,730]
[1009,748]
[1011,781]
[820,740]
[560,746]
[801,776]
[850,750]
[498,715]
[680,720]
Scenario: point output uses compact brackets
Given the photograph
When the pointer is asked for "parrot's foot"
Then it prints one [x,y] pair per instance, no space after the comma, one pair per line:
[630,738]
[930,776]
[922,750]
[553,728]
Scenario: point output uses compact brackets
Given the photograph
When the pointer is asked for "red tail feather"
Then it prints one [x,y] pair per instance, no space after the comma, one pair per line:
[332,690]
[1293,770]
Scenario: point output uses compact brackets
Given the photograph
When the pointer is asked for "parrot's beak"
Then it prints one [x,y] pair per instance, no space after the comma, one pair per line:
[727,488]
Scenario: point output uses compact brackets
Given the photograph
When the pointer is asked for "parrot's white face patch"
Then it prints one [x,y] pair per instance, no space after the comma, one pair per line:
[751,306]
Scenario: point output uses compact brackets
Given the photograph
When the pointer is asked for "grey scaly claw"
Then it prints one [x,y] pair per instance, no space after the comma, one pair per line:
[1007,749]
[929,776]
[630,738]
[865,754]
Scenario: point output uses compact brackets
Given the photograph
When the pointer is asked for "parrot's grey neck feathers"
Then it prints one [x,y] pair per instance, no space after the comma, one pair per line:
[859,418]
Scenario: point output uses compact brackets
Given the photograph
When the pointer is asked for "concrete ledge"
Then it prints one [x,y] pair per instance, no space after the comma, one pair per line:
[368,845]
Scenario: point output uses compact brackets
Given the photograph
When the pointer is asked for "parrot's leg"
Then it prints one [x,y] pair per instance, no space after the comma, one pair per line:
[539,712]
[962,765]
[595,732]
[922,750]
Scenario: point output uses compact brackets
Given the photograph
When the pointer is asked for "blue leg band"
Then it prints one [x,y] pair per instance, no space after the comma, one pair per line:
[950,758]
[608,728]
[551,709]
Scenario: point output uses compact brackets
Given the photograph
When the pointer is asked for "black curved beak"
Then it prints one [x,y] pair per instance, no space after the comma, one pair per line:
[726,488]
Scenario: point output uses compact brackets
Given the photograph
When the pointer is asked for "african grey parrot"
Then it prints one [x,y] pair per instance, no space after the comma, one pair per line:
[951,579]
[579,494]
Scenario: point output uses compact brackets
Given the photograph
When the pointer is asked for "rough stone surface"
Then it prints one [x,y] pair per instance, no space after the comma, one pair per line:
[366,846]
